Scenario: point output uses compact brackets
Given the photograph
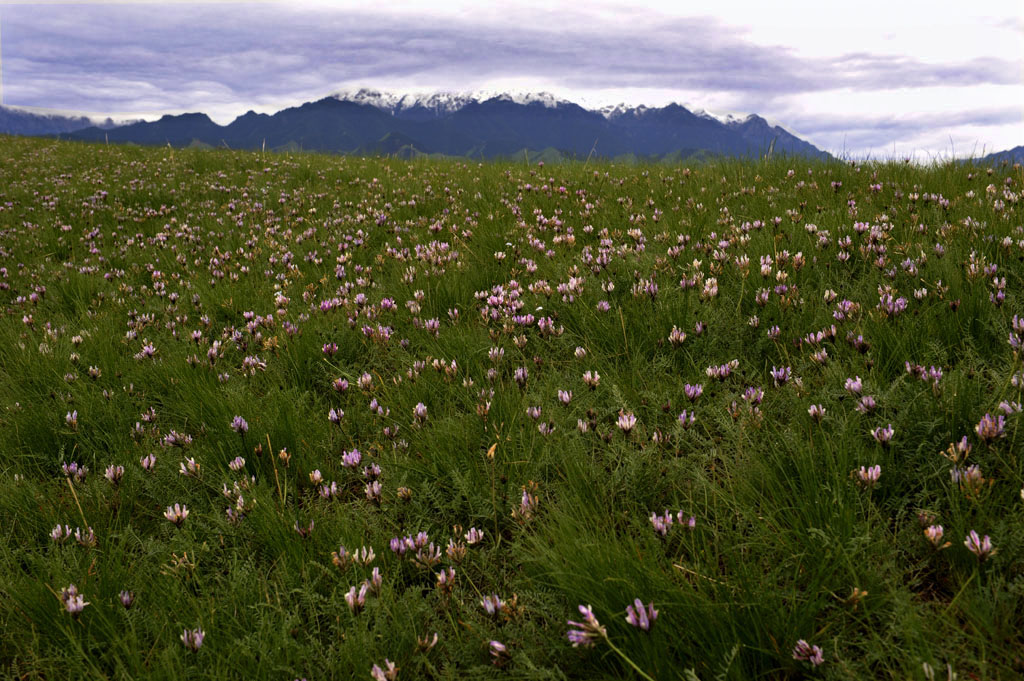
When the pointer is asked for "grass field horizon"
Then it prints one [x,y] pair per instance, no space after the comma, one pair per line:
[274,416]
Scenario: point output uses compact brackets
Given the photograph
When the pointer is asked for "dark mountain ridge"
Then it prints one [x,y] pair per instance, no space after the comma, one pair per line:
[498,126]
[503,125]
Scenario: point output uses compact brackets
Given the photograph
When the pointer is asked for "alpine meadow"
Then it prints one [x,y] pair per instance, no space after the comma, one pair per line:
[296,416]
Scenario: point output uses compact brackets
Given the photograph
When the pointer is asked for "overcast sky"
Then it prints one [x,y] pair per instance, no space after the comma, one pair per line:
[882,78]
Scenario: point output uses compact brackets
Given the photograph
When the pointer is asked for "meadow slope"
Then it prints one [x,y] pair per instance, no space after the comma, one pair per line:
[269,416]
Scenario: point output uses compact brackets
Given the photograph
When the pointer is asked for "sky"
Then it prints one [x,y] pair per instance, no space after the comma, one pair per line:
[873,78]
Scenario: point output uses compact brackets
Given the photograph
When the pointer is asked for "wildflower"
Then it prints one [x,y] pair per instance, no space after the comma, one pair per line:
[883,436]
[520,375]
[676,336]
[474,536]
[527,504]
[419,412]
[73,470]
[639,617]
[866,404]
[373,491]
[351,459]
[388,674]
[446,579]
[869,476]
[427,556]
[71,419]
[989,428]
[189,467]
[148,462]
[340,385]
[148,352]
[817,412]
[364,555]
[662,523]
[565,396]
[74,602]
[533,412]
[971,480]
[176,514]
[335,416]
[781,376]
[587,631]
[499,652]
[591,379]
[492,605]
[114,474]
[127,598]
[686,419]
[239,425]
[753,395]
[934,534]
[1009,408]
[688,523]
[425,644]
[808,653]
[60,534]
[456,551]
[854,386]
[692,392]
[979,546]
[237,464]
[398,546]
[330,348]
[85,537]
[192,639]
[626,422]
[356,600]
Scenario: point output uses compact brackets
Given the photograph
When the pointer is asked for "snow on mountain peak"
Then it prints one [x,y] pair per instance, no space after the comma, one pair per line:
[442,103]
[725,119]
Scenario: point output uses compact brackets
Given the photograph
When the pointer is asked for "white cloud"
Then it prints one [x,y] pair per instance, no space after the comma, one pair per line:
[868,74]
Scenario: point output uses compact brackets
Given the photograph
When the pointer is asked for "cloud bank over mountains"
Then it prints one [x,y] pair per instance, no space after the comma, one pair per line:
[840,91]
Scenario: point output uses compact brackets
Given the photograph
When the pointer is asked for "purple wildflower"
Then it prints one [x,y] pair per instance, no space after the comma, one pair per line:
[640,617]
[979,546]
[808,653]
[586,632]
[192,639]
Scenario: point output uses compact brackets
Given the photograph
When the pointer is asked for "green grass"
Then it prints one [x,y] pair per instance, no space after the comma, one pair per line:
[787,543]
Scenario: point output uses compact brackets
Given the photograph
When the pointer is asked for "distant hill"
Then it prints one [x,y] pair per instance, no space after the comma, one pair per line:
[21,122]
[499,125]
[1015,155]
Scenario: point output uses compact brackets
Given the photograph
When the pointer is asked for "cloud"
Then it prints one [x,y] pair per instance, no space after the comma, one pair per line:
[227,58]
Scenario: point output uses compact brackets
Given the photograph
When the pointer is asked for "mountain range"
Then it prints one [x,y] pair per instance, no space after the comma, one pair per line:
[481,125]
[23,122]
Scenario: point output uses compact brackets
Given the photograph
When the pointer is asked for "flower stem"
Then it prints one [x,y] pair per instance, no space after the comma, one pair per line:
[623,655]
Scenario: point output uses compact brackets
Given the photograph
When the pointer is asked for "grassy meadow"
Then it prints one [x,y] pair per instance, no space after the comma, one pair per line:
[315,417]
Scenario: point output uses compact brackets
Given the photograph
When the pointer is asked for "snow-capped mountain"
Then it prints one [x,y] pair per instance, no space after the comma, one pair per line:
[474,125]
[725,119]
[438,104]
